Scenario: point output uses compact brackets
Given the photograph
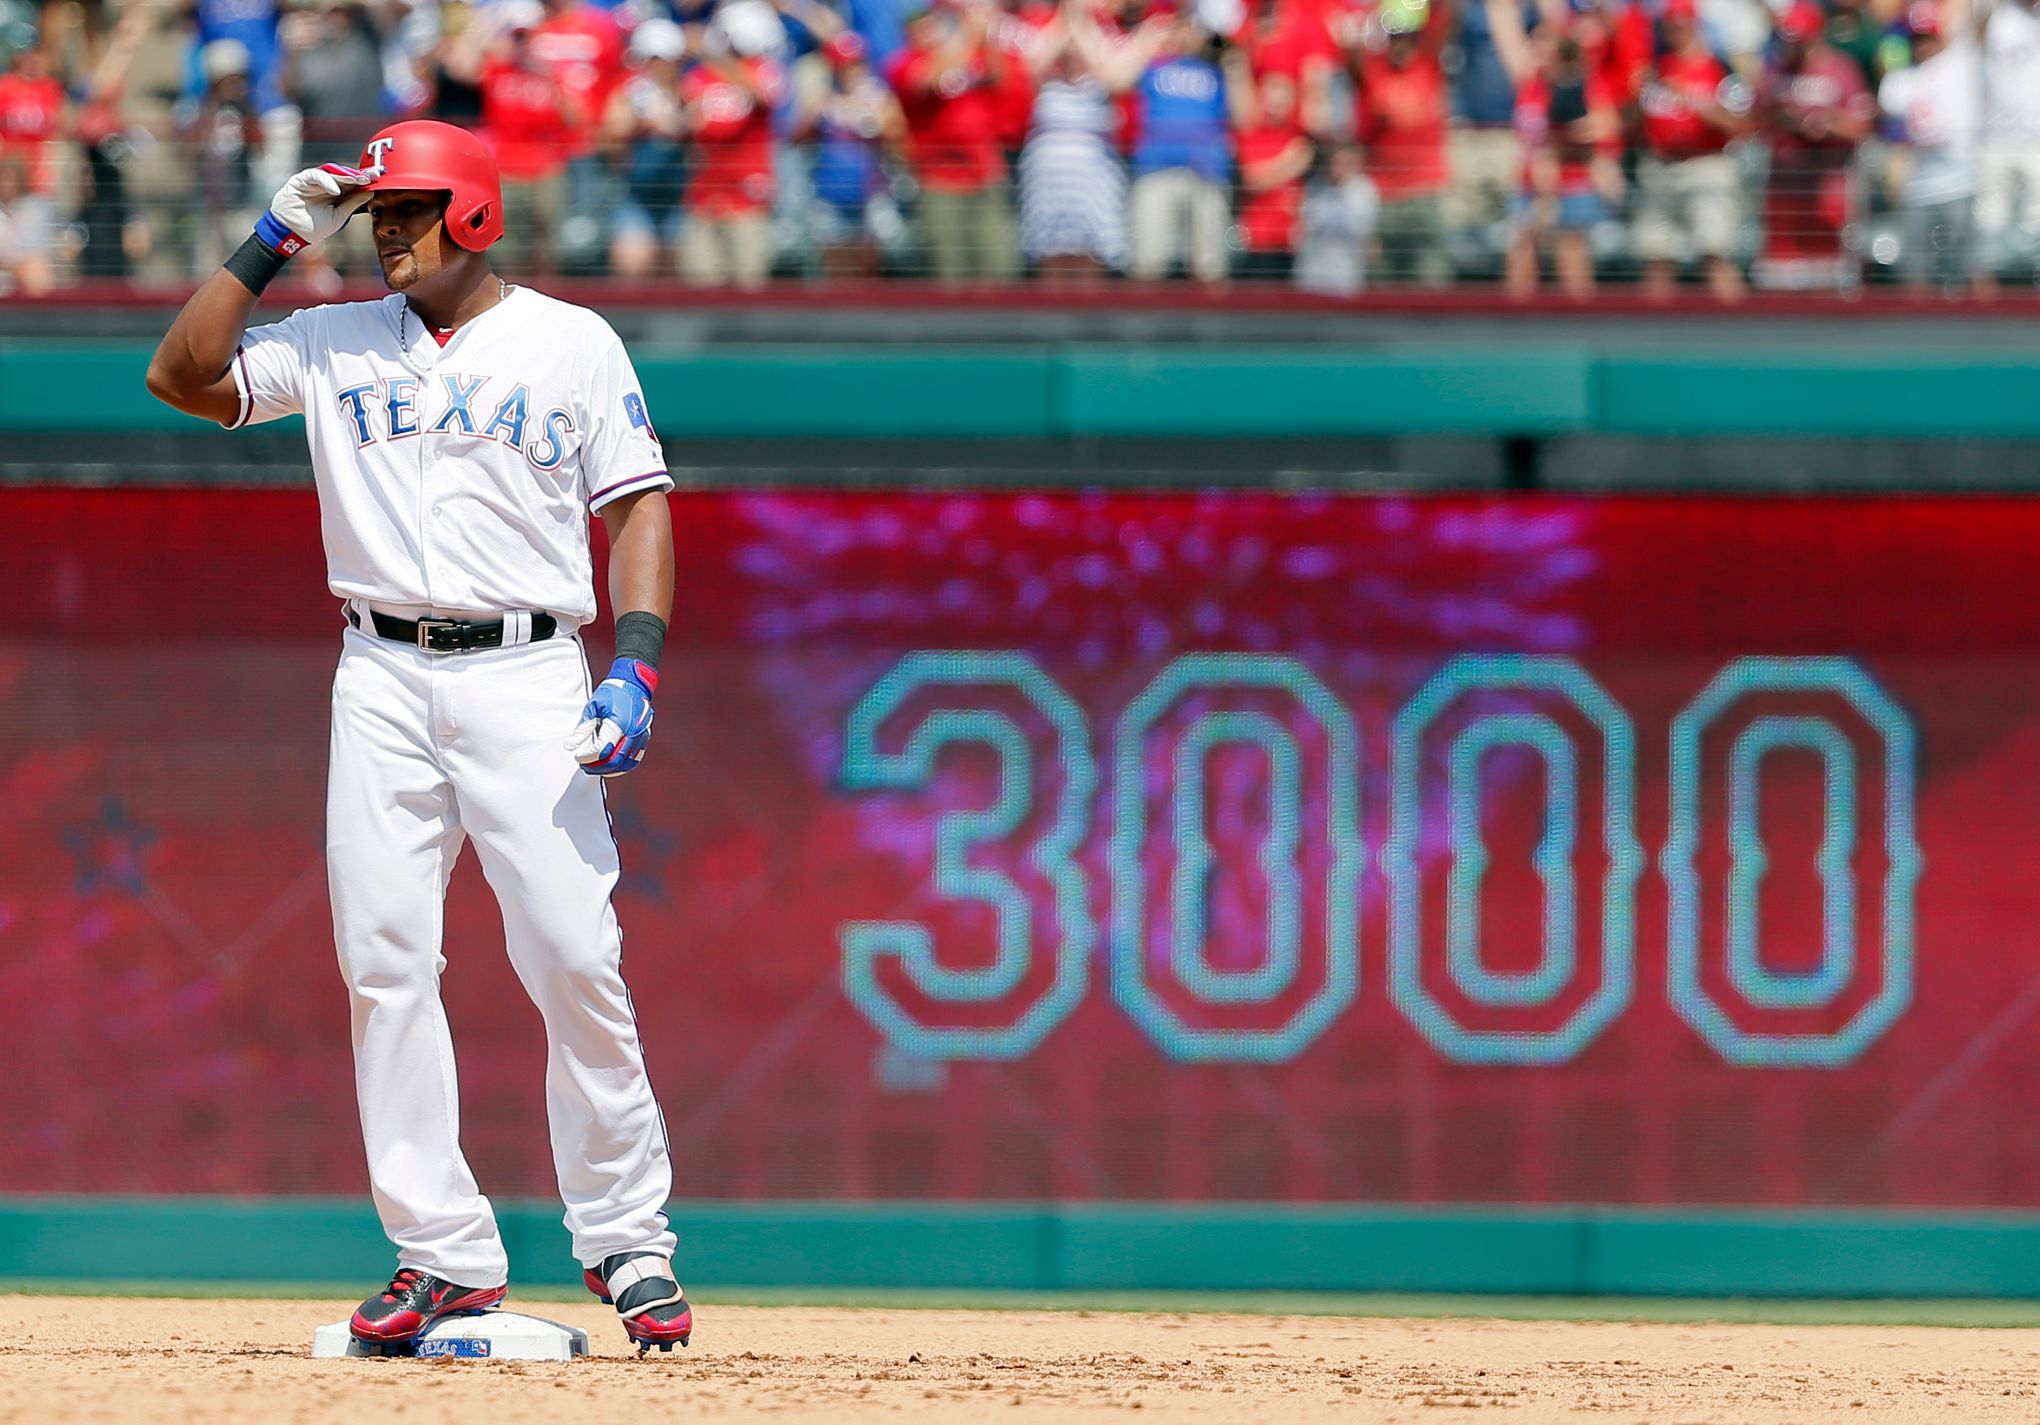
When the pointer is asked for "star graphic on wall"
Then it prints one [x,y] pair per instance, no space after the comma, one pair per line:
[644,849]
[108,851]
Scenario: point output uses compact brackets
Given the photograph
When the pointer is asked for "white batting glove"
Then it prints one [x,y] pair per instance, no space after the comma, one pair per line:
[311,206]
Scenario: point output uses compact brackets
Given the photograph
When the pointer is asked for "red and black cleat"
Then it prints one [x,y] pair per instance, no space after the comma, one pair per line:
[642,1288]
[412,1301]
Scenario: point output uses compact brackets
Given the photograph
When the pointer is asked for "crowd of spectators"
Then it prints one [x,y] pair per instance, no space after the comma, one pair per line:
[1328,143]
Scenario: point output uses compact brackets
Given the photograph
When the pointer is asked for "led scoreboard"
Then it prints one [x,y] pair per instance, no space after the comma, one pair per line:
[1111,845]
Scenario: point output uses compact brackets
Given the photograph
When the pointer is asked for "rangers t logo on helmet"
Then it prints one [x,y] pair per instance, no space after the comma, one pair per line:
[426,154]
[373,157]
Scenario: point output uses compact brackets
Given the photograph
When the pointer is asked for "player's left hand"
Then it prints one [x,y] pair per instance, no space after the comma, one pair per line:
[616,726]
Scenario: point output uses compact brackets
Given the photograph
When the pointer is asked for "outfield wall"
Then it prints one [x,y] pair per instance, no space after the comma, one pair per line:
[1472,893]
[1274,391]
[1095,1247]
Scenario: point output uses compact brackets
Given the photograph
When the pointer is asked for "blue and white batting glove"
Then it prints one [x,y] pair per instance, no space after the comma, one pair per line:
[312,205]
[616,726]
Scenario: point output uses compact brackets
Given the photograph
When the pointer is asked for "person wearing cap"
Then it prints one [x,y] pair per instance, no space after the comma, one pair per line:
[644,133]
[852,123]
[729,99]
[529,118]
[1688,190]
[1939,105]
[1405,114]
[251,24]
[2008,161]
[223,133]
[1815,109]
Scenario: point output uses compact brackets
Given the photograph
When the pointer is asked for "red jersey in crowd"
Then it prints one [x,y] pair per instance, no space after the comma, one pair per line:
[524,118]
[1671,102]
[1810,195]
[1617,43]
[1012,33]
[584,46]
[1269,220]
[733,137]
[1828,89]
[954,121]
[31,112]
[1405,115]
[1534,126]
[1285,37]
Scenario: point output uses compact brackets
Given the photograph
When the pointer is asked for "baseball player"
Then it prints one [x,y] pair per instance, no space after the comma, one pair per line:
[461,429]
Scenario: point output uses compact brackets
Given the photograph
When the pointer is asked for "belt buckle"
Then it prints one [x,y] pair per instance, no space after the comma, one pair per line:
[425,627]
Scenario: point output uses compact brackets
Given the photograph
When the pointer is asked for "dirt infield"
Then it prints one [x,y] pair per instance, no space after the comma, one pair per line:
[125,1359]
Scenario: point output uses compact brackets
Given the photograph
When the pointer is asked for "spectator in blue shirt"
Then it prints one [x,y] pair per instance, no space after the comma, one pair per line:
[251,23]
[1487,157]
[1183,153]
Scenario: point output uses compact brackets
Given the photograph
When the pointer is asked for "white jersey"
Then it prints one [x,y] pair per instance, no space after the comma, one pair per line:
[2011,58]
[1940,102]
[458,481]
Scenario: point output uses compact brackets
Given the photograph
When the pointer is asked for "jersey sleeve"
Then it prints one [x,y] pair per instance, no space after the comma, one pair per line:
[269,371]
[620,455]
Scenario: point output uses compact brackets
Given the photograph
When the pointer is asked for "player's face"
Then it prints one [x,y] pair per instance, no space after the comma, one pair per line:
[410,241]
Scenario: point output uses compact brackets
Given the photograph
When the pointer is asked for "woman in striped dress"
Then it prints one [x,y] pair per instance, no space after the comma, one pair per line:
[1072,182]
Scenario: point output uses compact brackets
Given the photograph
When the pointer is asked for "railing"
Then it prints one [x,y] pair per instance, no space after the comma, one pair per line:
[850,215]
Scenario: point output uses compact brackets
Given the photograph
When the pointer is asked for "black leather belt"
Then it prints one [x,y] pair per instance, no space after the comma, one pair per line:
[444,635]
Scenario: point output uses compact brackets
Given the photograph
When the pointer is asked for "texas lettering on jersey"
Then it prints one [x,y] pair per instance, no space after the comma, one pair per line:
[459,478]
[388,408]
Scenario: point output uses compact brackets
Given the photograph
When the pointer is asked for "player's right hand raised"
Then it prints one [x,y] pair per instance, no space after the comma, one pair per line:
[312,205]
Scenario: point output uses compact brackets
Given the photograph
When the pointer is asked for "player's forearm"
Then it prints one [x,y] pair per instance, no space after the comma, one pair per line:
[641,556]
[195,352]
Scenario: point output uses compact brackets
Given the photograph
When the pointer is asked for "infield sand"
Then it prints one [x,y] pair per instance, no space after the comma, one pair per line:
[128,1359]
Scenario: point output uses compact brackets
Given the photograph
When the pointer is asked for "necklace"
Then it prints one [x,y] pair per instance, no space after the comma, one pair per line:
[404,316]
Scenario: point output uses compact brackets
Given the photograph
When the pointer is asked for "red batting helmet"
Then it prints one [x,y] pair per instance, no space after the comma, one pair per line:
[423,153]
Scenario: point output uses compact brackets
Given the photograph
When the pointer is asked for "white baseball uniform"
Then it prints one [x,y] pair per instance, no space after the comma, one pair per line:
[458,483]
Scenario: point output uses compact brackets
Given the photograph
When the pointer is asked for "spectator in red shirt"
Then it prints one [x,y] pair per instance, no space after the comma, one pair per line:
[1816,108]
[1274,155]
[529,119]
[584,46]
[950,81]
[1016,26]
[1571,136]
[1616,44]
[1405,117]
[32,117]
[728,100]
[1688,192]
[1290,38]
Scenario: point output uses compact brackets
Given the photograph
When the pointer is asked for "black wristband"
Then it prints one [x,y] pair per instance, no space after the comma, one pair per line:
[255,264]
[641,636]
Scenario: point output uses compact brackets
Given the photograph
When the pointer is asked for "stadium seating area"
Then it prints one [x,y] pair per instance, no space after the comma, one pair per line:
[1709,147]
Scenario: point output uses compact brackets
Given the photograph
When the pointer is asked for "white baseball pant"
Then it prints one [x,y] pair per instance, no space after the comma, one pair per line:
[428,751]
